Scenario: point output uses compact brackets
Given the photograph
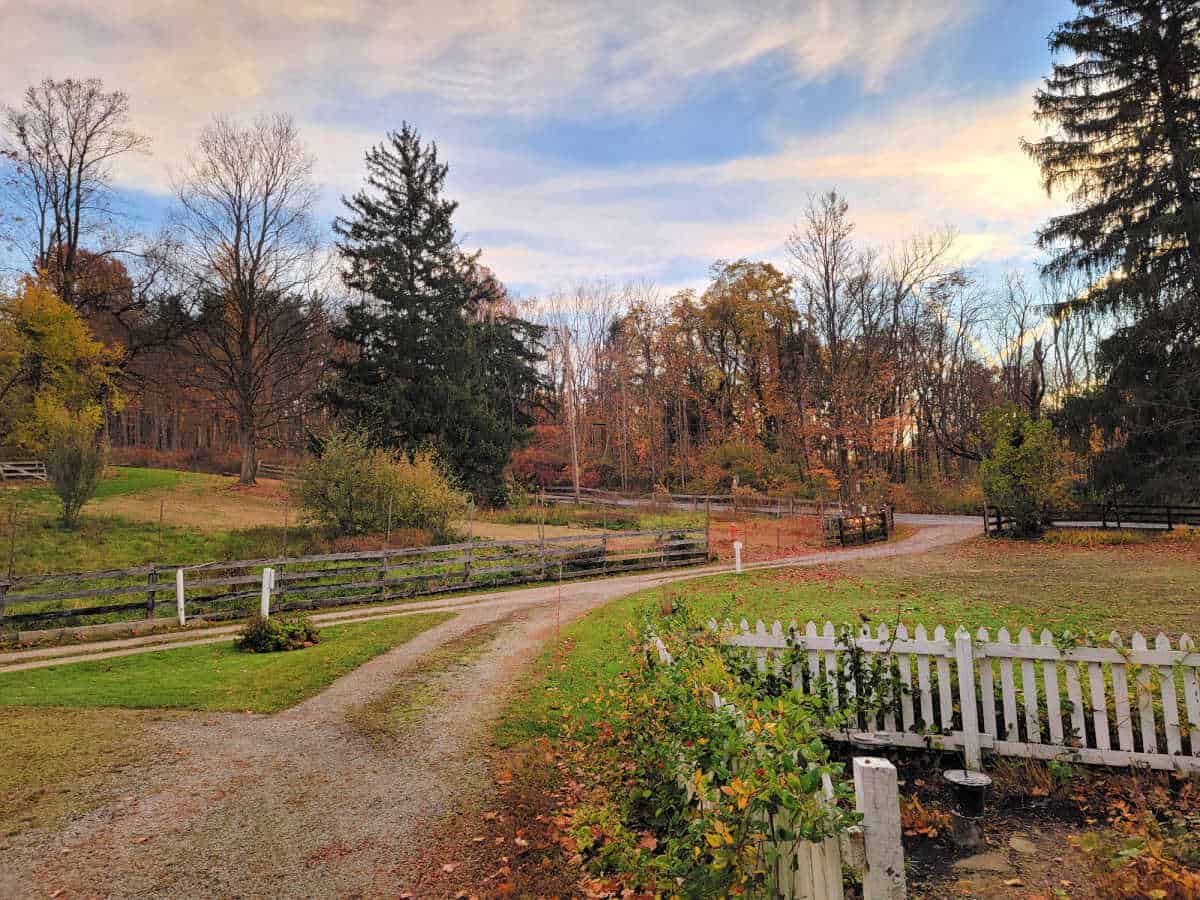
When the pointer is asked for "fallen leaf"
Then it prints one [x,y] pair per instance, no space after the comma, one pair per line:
[450,867]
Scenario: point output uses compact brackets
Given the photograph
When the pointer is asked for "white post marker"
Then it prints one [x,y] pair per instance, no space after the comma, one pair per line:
[877,797]
[737,557]
[179,595]
[268,582]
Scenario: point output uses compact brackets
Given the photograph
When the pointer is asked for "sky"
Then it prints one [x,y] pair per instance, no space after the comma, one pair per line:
[615,139]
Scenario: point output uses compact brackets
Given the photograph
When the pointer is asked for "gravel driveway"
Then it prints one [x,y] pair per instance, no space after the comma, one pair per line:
[298,804]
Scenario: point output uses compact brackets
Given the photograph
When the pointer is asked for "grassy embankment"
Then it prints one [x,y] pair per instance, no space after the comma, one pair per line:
[1149,584]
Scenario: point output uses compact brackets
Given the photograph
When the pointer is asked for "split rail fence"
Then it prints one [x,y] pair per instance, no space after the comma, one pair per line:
[777,507]
[23,470]
[219,590]
[1104,515]
[867,527]
[1136,706]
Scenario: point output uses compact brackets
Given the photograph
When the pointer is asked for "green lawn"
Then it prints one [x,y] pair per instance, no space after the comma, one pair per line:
[214,676]
[108,540]
[1149,585]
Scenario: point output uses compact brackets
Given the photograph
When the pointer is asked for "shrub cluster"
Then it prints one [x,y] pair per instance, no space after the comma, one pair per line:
[675,792]
[353,488]
[266,635]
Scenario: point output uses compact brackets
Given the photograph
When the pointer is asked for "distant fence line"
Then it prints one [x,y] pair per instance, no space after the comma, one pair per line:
[280,471]
[1102,515]
[756,504]
[218,590]
[867,527]
[22,470]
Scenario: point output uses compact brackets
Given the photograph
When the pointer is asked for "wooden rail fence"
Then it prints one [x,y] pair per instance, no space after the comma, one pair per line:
[219,590]
[279,471]
[1103,515]
[1115,705]
[865,528]
[24,470]
[777,507]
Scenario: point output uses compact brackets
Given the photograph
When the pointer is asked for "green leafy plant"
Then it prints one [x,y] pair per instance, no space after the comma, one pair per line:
[353,488]
[266,635]
[75,460]
[716,796]
[1024,471]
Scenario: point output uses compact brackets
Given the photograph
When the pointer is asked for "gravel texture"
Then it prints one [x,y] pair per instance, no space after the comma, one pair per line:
[298,804]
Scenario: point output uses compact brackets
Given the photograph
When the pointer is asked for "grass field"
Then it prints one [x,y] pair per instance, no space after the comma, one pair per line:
[142,515]
[1150,585]
[210,677]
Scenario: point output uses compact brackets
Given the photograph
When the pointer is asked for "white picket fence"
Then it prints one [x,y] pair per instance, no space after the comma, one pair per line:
[953,701]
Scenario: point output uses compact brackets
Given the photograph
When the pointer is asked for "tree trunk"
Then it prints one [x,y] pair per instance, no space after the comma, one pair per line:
[248,444]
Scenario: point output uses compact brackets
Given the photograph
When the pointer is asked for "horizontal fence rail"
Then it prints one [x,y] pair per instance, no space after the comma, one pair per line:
[867,527]
[219,590]
[24,470]
[1114,705]
[279,471]
[756,504]
[1103,515]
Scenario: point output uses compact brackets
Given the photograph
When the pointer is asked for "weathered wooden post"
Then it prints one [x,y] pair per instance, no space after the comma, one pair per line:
[153,579]
[841,531]
[707,527]
[877,797]
[737,557]
[179,596]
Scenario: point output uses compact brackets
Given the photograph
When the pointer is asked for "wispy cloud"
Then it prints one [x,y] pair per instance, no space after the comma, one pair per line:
[350,69]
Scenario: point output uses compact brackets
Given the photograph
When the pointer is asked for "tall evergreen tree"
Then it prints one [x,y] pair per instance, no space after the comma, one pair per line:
[1126,103]
[437,359]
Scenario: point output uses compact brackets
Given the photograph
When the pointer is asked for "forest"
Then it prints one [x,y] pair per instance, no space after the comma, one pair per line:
[246,328]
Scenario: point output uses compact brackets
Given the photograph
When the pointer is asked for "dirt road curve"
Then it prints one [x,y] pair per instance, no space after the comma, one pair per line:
[300,805]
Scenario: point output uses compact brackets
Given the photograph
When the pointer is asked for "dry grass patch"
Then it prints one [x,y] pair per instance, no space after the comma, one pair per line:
[57,764]
[207,503]
[385,718]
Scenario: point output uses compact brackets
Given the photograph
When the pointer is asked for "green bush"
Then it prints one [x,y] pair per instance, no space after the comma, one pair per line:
[266,635]
[75,461]
[353,488]
[1024,471]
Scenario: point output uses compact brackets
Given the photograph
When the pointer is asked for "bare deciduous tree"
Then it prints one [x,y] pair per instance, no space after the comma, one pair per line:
[252,251]
[64,138]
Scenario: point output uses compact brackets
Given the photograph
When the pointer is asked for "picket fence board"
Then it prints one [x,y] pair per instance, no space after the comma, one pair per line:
[1095,724]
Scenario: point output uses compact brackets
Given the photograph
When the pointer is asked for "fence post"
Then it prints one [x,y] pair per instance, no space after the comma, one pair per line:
[1170,524]
[737,557]
[964,656]
[841,531]
[268,577]
[708,527]
[179,596]
[877,797]
[153,579]
[864,529]
[3,602]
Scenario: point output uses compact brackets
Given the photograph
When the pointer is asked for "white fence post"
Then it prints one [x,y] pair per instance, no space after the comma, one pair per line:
[268,582]
[179,595]
[877,797]
[737,557]
[964,657]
